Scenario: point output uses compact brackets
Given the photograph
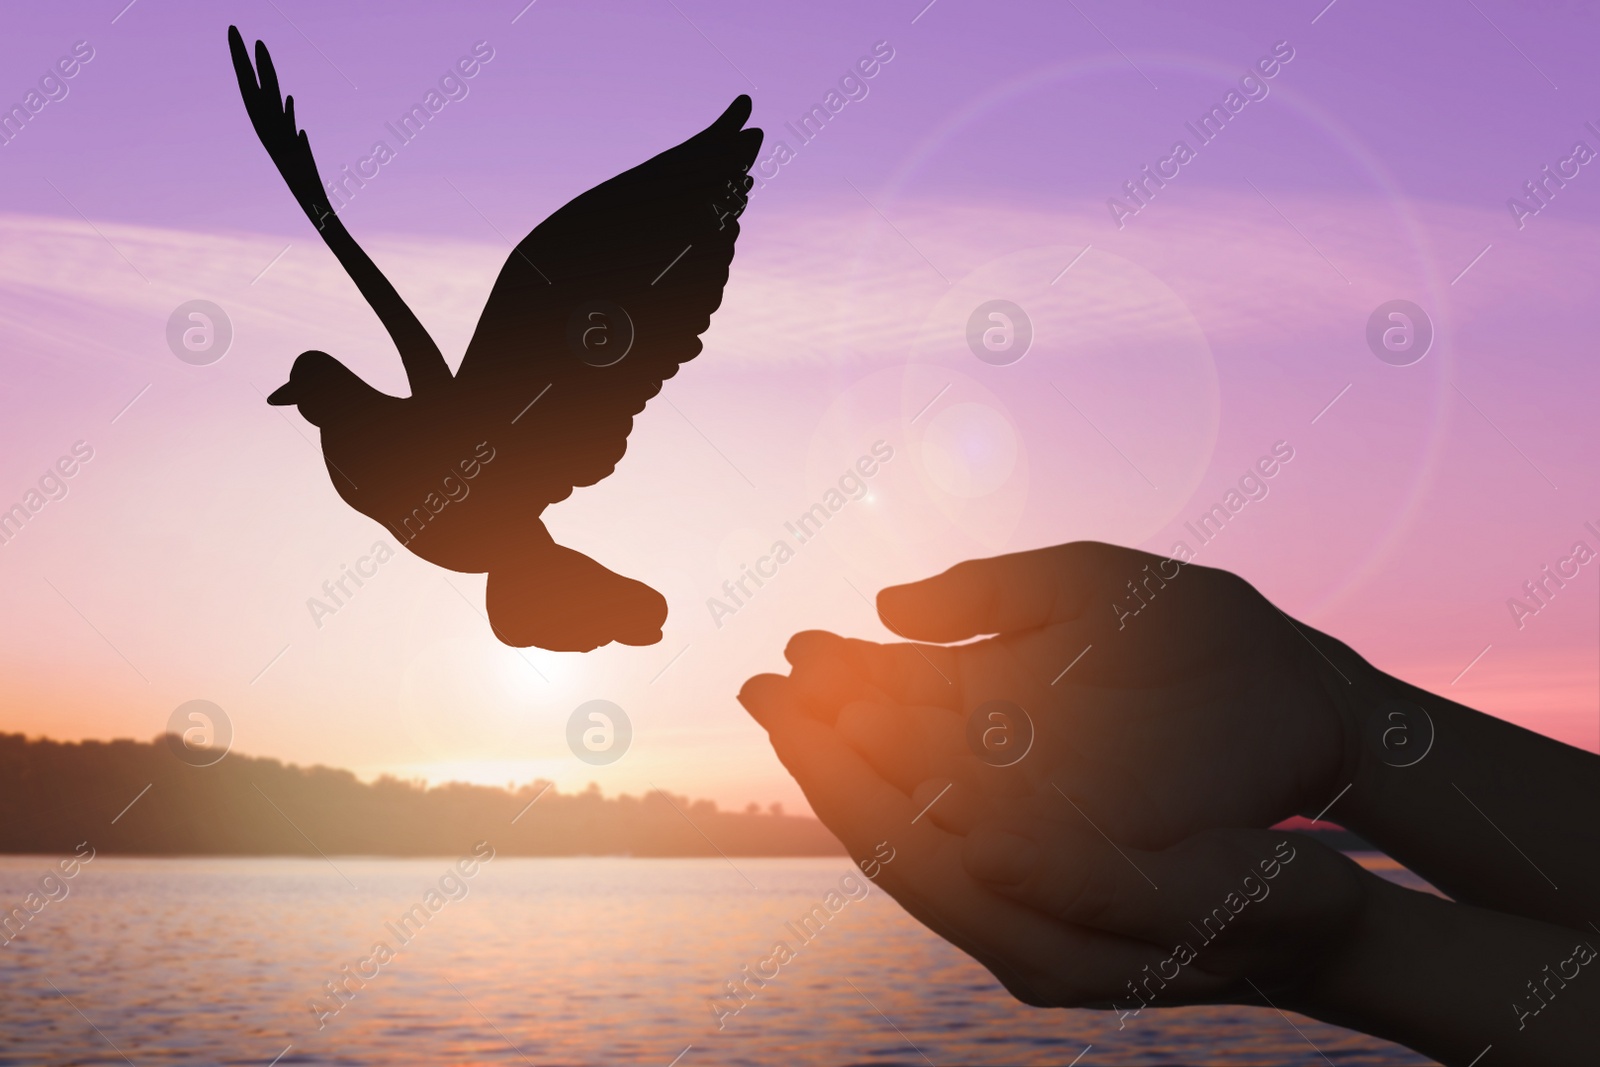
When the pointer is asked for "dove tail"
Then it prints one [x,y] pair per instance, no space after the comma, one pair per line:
[550,596]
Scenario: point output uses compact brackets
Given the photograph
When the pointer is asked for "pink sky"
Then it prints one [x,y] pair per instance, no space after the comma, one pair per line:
[1223,318]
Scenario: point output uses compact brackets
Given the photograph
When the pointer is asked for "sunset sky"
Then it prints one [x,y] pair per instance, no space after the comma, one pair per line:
[1169,353]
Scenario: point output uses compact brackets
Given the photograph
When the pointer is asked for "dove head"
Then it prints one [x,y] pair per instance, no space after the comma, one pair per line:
[322,388]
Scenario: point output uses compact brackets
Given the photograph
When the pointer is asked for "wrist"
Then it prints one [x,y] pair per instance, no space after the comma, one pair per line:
[1339,986]
[1360,698]
[1392,735]
[1450,980]
[1369,983]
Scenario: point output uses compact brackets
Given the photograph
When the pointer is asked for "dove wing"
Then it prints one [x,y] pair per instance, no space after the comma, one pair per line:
[272,115]
[606,298]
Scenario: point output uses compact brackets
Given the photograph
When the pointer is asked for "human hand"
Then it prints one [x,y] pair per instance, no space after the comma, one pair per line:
[1164,699]
[1263,913]
[1060,914]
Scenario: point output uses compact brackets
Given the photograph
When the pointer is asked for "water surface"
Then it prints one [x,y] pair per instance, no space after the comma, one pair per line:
[544,961]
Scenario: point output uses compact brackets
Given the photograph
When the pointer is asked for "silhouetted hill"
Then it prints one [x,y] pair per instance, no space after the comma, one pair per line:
[54,795]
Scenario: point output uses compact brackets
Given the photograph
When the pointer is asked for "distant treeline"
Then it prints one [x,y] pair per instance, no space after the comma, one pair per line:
[54,795]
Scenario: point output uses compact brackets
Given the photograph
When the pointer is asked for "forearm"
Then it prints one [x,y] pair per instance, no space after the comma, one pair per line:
[1490,813]
[1452,981]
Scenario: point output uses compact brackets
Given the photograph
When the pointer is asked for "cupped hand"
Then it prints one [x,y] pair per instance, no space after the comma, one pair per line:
[1061,915]
[1162,699]
[1262,913]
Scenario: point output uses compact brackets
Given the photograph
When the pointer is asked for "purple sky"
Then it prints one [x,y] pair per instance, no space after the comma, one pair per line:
[1222,318]
[1443,102]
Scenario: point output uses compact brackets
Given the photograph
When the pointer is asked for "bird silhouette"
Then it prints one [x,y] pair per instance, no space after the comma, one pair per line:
[591,313]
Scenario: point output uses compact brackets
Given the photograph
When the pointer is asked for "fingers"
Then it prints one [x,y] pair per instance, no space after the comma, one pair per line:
[887,736]
[866,813]
[852,799]
[953,806]
[920,751]
[1005,593]
[1040,960]
[828,674]
[764,696]
[1071,872]
[910,746]
[847,669]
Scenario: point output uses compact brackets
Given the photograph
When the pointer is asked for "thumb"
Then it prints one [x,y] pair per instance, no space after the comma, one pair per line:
[1005,593]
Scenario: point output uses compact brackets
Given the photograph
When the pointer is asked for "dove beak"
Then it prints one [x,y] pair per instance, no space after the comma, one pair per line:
[283,396]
